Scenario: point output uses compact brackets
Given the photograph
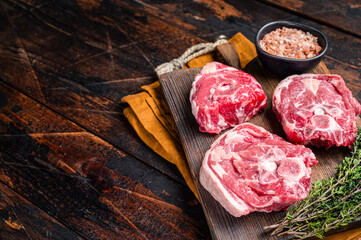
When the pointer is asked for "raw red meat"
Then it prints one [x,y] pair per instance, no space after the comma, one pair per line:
[249,169]
[223,97]
[316,109]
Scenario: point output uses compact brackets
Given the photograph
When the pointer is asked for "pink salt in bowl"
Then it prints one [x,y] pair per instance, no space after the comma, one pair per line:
[285,66]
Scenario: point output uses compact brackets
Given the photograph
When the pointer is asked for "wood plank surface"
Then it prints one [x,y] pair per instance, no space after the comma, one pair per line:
[28,221]
[70,75]
[10,225]
[176,87]
[346,15]
[84,182]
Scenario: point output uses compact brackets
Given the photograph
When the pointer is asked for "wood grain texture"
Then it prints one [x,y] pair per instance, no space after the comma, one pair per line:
[84,182]
[70,74]
[31,220]
[176,87]
[346,15]
[10,225]
[227,53]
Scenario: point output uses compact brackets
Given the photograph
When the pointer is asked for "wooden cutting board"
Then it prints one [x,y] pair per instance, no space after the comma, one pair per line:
[176,87]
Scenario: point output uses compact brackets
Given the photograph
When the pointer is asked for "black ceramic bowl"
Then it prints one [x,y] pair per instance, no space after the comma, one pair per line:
[287,66]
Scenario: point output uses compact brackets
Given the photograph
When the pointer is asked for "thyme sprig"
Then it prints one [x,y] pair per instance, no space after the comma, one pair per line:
[331,203]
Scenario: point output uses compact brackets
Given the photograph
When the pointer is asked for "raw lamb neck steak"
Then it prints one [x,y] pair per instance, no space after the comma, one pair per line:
[223,97]
[249,169]
[316,109]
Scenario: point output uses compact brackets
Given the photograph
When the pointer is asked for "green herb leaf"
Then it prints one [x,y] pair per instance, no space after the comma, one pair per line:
[331,203]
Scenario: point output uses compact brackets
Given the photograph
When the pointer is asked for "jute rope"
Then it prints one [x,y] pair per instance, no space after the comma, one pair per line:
[189,54]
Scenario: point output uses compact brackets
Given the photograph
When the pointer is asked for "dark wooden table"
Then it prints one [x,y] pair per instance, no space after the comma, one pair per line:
[71,166]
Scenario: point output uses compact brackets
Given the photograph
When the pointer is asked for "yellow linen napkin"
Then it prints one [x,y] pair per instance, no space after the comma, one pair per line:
[149,114]
[155,129]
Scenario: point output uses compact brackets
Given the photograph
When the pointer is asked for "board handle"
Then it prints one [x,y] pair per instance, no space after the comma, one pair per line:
[227,53]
